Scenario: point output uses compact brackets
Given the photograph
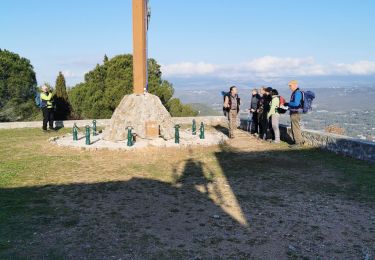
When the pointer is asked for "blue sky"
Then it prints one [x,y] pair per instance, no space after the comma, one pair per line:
[231,39]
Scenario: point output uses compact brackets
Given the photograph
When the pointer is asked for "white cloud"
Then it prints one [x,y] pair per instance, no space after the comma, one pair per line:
[188,69]
[358,68]
[70,74]
[269,67]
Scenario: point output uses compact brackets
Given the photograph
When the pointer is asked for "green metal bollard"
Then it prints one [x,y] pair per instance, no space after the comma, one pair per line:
[94,133]
[88,142]
[130,136]
[75,132]
[201,134]
[194,127]
[177,134]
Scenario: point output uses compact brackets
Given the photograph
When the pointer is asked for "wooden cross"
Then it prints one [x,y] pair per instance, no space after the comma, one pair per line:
[140,24]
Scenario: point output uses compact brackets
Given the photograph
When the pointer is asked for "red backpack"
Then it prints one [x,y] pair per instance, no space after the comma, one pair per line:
[282,101]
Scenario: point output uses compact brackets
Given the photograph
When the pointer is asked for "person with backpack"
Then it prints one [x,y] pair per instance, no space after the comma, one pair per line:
[232,107]
[264,108]
[295,106]
[46,104]
[254,106]
[274,116]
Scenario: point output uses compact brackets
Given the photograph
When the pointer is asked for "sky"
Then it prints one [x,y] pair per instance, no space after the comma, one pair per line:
[197,39]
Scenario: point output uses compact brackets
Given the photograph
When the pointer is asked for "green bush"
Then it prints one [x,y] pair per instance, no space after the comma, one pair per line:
[105,86]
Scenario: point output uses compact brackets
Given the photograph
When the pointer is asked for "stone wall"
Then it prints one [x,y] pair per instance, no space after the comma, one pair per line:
[68,124]
[344,145]
[339,144]
[208,120]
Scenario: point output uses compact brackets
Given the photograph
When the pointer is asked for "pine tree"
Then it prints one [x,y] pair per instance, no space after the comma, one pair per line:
[63,107]
[105,58]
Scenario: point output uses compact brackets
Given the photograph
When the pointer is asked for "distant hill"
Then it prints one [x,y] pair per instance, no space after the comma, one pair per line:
[351,108]
[204,110]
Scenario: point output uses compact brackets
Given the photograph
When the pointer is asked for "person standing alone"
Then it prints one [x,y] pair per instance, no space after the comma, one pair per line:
[47,107]
[295,107]
[232,105]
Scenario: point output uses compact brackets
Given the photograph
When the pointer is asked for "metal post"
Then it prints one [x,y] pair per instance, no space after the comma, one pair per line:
[201,134]
[194,127]
[94,133]
[75,132]
[130,136]
[177,134]
[88,142]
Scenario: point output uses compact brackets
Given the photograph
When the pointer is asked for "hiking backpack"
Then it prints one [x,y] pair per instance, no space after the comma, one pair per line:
[307,99]
[38,101]
[282,101]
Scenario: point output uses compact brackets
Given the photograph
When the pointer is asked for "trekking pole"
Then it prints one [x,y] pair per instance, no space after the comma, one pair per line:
[75,132]
[88,142]
[194,127]
[201,134]
[130,137]
[177,134]
[94,133]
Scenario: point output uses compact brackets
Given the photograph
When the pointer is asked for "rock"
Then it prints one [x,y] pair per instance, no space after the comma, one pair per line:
[134,111]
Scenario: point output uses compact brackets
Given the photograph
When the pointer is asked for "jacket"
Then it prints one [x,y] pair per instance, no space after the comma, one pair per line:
[275,103]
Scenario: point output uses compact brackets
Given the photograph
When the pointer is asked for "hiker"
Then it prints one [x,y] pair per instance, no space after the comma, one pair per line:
[254,106]
[264,108]
[274,116]
[295,106]
[232,106]
[46,98]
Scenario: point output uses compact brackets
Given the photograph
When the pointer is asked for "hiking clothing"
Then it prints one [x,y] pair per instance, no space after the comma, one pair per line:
[275,103]
[47,99]
[232,119]
[295,119]
[295,103]
[255,123]
[47,118]
[275,118]
[254,103]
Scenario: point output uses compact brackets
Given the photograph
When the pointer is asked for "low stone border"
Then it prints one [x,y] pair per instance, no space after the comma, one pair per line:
[212,138]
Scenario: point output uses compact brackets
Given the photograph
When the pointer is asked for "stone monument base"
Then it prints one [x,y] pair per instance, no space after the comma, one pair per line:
[137,111]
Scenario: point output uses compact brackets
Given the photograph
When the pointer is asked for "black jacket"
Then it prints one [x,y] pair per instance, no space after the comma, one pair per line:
[254,103]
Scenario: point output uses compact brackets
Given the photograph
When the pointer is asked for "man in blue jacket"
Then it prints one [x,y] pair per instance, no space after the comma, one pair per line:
[295,107]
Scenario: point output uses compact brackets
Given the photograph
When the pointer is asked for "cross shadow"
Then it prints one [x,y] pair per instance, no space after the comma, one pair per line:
[242,209]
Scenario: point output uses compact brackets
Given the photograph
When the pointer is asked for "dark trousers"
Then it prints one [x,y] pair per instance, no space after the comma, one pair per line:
[263,125]
[255,123]
[47,118]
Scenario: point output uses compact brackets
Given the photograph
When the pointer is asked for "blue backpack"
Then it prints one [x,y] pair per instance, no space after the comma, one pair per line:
[38,100]
[307,99]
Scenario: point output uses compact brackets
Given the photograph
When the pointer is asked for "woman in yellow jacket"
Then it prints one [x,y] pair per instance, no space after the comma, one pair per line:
[47,107]
[274,116]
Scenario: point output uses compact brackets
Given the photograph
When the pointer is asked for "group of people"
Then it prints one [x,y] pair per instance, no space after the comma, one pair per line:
[265,108]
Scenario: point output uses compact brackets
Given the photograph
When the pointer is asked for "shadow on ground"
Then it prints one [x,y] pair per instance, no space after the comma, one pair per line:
[266,205]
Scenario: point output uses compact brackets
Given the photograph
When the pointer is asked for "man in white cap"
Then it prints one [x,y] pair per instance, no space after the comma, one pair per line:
[47,107]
